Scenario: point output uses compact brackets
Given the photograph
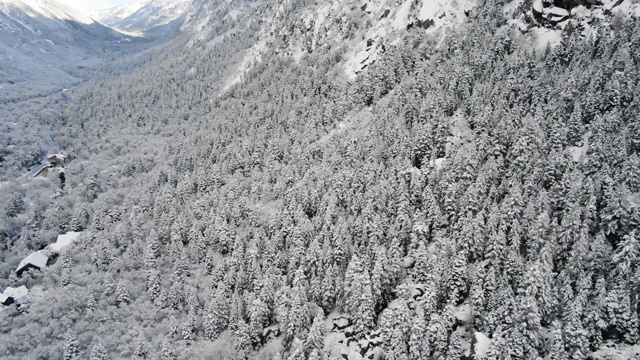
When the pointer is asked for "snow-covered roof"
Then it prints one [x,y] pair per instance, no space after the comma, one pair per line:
[3,298]
[16,293]
[63,241]
[57,156]
[37,259]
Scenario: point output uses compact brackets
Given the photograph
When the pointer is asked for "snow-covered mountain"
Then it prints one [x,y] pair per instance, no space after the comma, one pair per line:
[145,16]
[342,179]
[112,15]
[44,44]
[370,27]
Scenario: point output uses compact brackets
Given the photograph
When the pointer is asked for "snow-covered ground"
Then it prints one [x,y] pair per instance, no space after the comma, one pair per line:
[617,352]
[546,37]
[152,14]
[45,9]
[251,57]
[112,15]
[444,12]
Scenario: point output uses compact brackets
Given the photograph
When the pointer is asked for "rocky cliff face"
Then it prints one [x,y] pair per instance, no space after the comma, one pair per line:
[554,12]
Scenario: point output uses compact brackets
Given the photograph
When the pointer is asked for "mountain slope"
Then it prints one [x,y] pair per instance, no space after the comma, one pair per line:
[153,14]
[249,193]
[111,16]
[49,42]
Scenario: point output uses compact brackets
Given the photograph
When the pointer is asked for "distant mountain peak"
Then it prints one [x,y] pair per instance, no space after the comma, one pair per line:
[143,16]
[112,15]
[48,9]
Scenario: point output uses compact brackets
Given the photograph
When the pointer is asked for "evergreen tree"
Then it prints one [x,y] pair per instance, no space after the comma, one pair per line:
[98,352]
[122,294]
[315,339]
[71,347]
[167,351]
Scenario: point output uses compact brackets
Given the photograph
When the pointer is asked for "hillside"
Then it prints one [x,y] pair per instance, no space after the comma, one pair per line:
[44,47]
[146,17]
[345,180]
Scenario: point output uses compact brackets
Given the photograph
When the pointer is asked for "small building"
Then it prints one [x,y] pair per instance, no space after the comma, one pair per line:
[11,295]
[5,300]
[35,260]
[63,241]
[57,160]
[43,172]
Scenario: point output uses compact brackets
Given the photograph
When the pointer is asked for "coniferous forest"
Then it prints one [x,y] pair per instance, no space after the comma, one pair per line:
[464,196]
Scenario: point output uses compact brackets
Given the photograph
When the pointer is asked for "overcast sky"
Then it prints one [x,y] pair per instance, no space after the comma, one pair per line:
[89,6]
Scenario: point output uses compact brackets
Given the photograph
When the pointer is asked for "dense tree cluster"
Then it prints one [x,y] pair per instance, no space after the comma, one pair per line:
[483,173]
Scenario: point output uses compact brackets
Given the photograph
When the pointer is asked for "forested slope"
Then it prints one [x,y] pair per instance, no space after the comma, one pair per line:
[458,184]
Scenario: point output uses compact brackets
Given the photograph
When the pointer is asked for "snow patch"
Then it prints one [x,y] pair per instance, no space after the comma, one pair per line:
[253,55]
[481,346]
[546,37]
[579,152]
[401,17]
[463,313]
[388,19]
[611,351]
[445,12]
[628,8]
[49,10]
[439,163]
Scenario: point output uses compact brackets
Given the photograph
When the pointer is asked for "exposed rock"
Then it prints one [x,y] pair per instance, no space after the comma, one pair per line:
[340,324]
[549,14]
[417,292]
[270,332]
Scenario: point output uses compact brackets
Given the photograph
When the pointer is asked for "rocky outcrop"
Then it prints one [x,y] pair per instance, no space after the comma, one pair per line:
[554,12]
[549,14]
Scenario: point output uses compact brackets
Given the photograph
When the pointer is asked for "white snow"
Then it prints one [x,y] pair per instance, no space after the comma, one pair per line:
[512,7]
[628,7]
[112,15]
[47,9]
[444,12]
[16,293]
[546,37]
[63,241]
[401,17]
[252,56]
[579,152]
[341,322]
[388,30]
[380,33]
[408,262]
[36,258]
[482,345]
[537,6]
[558,11]
[439,163]
[616,352]
[555,13]
[463,313]
[151,14]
